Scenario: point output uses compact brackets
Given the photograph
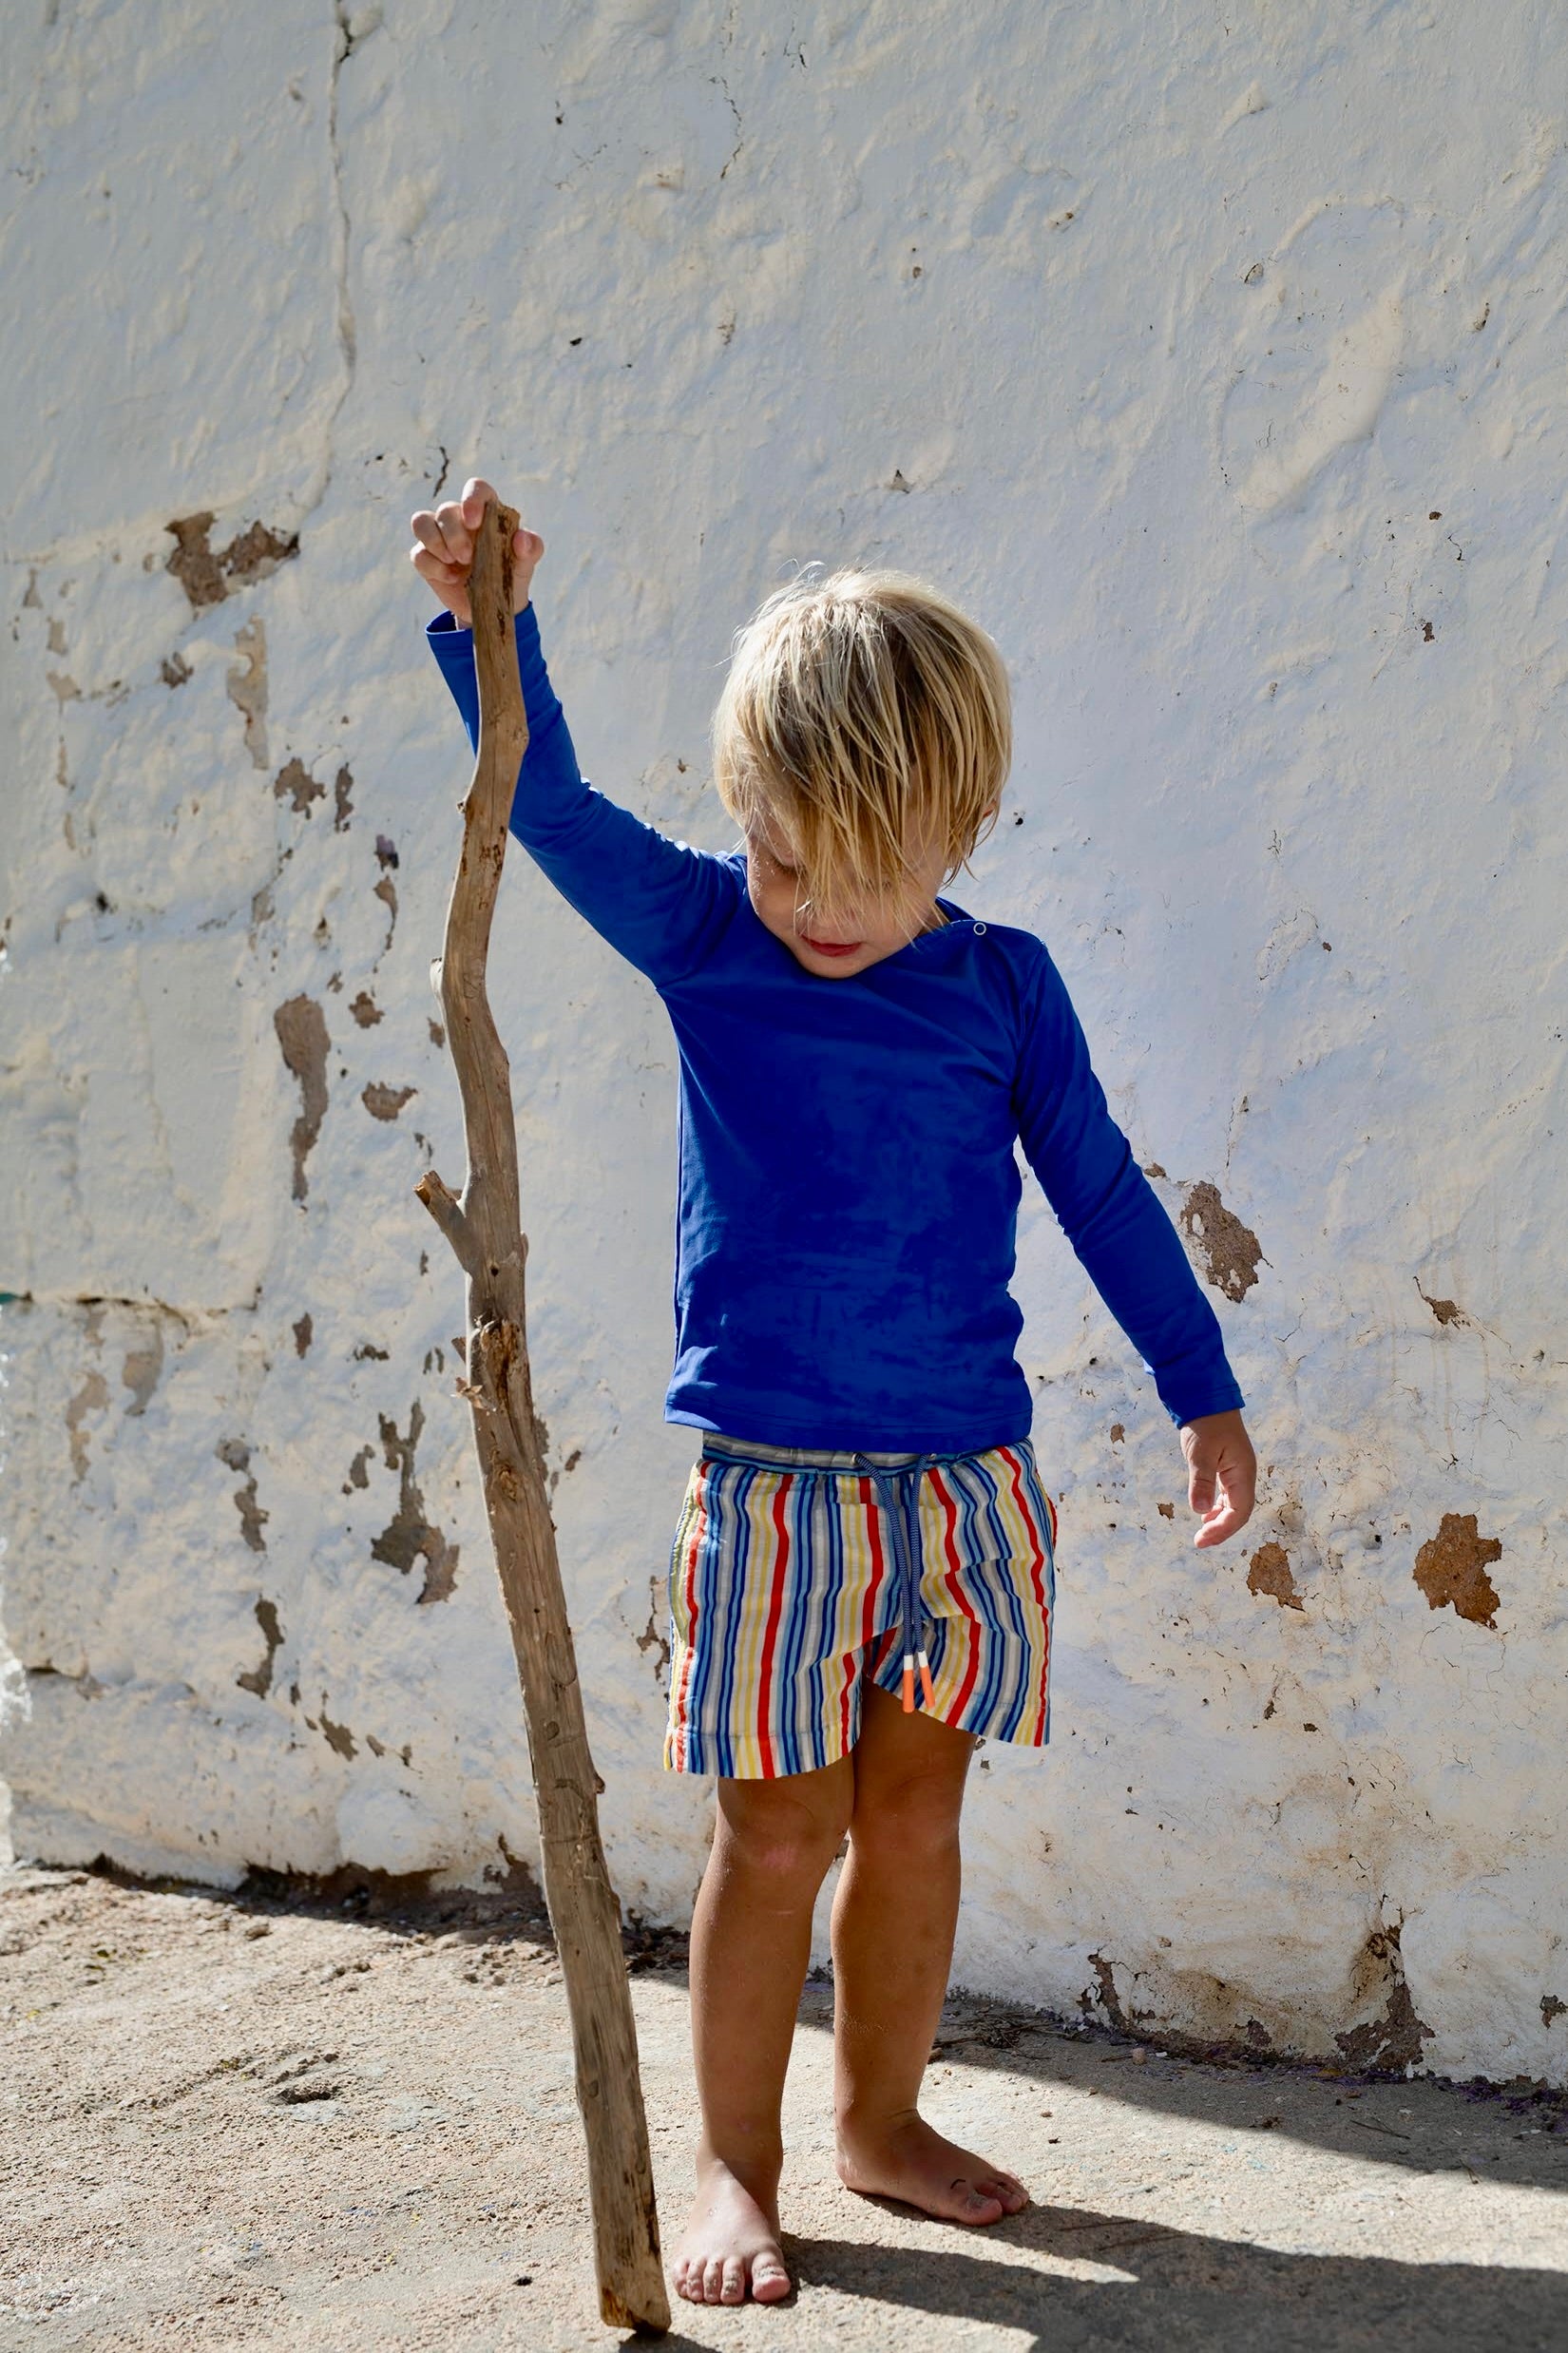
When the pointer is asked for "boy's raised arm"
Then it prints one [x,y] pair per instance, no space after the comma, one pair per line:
[1111,1214]
[659,903]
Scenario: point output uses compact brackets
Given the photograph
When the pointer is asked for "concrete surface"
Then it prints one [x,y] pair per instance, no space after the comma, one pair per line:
[259,2120]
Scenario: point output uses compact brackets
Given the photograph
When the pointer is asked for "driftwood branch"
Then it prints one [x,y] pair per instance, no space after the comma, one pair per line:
[484,1227]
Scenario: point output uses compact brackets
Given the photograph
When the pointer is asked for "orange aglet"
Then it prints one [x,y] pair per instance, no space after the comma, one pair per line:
[926,1681]
[909,1686]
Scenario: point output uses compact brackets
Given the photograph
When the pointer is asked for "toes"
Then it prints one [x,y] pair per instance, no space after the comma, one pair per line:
[769,2281]
[713,2280]
[978,2203]
[734,2277]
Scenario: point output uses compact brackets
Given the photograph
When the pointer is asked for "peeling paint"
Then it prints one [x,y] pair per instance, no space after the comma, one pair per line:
[1446,1310]
[295,783]
[365,1010]
[234,1452]
[408,1536]
[385,890]
[385,1103]
[652,1638]
[142,1370]
[206,574]
[1451,1568]
[303,1330]
[1232,1251]
[1270,1574]
[342,801]
[259,1680]
[92,1397]
[1392,2044]
[301,1028]
[336,1735]
[246,684]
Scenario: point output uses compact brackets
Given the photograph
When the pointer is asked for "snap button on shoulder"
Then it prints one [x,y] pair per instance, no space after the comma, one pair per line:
[979,929]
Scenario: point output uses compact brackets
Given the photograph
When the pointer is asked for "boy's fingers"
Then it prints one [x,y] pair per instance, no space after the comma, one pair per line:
[1227,1505]
[436,570]
[454,532]
[428,531]
[1221,1523]
[475,492]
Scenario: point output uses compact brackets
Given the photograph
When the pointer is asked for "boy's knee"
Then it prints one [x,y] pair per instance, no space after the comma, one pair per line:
[911,1819]
[772,1831]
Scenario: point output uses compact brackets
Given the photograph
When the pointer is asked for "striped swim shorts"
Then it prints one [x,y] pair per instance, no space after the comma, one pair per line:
[798,1573]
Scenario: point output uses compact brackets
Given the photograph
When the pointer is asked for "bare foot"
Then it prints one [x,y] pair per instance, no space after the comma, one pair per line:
[730,2243]
[905,2158]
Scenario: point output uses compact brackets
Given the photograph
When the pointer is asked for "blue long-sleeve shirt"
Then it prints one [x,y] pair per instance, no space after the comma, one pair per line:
[847,1196]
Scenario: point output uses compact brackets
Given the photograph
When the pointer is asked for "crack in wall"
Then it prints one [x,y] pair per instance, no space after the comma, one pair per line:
[344,40]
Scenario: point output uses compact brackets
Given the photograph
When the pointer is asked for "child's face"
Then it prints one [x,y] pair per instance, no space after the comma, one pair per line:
[859,939]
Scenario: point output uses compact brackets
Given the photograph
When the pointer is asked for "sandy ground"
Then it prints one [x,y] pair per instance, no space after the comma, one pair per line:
[298,2120]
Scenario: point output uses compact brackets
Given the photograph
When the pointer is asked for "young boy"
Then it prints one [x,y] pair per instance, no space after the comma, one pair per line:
[862,1578]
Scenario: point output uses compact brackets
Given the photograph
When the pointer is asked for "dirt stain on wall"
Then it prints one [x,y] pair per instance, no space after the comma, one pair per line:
[1451,1568]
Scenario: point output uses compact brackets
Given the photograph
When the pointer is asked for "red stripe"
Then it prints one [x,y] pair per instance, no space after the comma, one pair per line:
[953,1573]
[769,1637]
[697,1527]
[1035,1567]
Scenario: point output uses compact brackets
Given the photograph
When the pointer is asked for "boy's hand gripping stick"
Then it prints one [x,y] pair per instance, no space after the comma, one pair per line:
[484,1227]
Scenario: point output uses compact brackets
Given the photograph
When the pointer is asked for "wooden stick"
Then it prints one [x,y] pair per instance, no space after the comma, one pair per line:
[484,1229]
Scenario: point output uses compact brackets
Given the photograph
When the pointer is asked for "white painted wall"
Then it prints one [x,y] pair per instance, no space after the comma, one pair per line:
[1218,366]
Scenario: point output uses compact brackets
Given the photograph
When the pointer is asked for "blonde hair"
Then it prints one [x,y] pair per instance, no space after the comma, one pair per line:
[866,714]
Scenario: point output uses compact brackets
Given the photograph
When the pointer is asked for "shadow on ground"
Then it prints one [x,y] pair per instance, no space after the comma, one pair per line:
[1180,2289]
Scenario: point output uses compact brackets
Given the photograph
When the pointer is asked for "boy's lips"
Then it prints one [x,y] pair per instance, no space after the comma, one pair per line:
[832,948]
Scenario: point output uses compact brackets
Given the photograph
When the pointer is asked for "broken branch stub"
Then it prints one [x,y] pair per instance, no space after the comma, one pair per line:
[483,1226]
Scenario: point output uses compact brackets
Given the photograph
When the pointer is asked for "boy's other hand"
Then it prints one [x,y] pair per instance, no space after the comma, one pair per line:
[443,552]
[1221,1474]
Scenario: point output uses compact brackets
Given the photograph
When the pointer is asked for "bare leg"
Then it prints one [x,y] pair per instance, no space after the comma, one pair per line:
[751,1942]
[894,1915]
